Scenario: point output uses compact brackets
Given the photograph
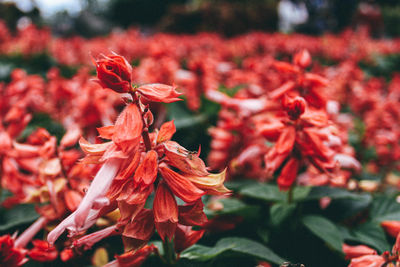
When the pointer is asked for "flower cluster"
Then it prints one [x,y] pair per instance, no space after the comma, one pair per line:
[136,162]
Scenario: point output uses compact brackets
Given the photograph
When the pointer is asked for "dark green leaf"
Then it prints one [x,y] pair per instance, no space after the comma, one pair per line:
[20,214]
[324,229]
[279,212]
[373,235]
[233,206]
[232,244]
[266,192]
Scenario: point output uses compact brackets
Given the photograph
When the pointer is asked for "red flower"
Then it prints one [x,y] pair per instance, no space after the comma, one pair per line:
[11,256]
[165,211]
[357,251]
[114,72]
[367,260]
[42,251]
[133,258]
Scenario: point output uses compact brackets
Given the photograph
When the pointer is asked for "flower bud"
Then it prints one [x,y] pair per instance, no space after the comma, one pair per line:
[114,72]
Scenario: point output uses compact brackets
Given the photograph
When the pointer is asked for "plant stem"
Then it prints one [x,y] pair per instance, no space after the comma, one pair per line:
[290,195]
[169,253]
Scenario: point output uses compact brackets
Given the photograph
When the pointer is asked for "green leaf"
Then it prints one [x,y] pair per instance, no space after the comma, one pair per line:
[373,235]
[385,208]
[232,244]
[334,193]
[233,206]
[271,192]
[20,214]
[325,230]
[279,212]
[266,192]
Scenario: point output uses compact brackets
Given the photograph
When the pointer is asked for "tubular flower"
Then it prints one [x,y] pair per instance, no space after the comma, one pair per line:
[134,164]
[357,251]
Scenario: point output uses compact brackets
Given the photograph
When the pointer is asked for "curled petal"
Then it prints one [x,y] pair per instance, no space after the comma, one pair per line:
[93,149]
[184,160]
[180,186]
[157,92]
[212,183]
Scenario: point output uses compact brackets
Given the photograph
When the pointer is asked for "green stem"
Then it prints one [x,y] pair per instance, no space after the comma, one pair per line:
[290,195]
[169,253]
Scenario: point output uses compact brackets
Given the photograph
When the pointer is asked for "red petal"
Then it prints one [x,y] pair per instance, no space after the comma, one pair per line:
[167,130]
[181,187]
[286,140]
[184,160]
[146,173]
[157,92]
[288,174]
[128,127]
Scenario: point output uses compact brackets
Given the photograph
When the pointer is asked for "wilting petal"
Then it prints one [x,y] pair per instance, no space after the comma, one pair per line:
[146,172]
[98,189]
[165,211]
[166,132]
[186,237]
[157,92]
[89,240]
[184,160]
[181,186]
[288,174]
[213,183]
[357,251]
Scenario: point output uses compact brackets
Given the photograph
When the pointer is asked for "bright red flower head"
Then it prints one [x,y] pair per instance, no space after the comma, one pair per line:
[11,256]
[114,72]
[42,251]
